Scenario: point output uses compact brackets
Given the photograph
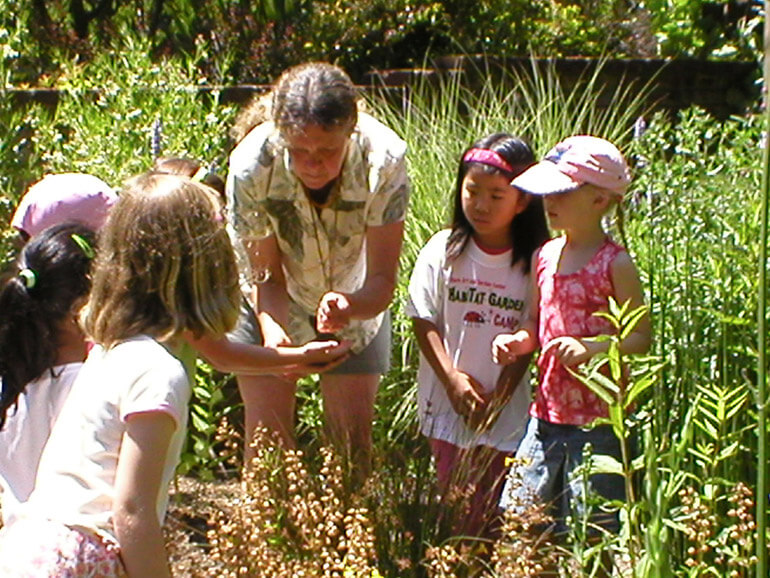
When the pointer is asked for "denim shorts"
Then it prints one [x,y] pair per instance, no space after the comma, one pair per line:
[544,471]
[246,328]
[373,359]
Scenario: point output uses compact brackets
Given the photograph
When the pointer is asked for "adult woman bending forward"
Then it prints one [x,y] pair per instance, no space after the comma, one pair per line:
[317,196]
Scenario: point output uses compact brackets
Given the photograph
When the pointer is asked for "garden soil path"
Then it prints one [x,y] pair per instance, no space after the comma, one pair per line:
[191,506]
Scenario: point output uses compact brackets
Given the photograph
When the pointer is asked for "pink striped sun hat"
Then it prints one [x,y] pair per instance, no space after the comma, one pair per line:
[576,161]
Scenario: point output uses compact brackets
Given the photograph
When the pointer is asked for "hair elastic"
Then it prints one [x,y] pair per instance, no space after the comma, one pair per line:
[487,157]
[29,277]
[84,245]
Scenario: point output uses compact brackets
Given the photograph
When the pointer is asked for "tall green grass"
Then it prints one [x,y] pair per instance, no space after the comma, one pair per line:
[694,226]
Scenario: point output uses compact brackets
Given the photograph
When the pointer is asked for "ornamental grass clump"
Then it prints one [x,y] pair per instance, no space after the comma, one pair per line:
[289,521]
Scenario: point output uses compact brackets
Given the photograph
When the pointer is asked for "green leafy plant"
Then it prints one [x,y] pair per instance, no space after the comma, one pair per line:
[210,450]
[609,378]
[702,29]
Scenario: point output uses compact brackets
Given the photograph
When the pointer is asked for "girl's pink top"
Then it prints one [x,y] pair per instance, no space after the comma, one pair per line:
[567,304]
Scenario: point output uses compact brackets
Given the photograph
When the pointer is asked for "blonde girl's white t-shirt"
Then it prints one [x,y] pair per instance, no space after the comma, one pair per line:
[76,478]
[470,300]
[26,432]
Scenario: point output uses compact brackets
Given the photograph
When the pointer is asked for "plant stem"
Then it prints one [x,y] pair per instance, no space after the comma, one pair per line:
[761,496]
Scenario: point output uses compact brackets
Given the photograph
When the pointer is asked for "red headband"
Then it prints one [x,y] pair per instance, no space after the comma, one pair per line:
[487,157]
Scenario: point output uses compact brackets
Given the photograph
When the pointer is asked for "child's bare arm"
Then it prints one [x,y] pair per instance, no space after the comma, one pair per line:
[507,347]
[464,392]
[250,359]
[137,484]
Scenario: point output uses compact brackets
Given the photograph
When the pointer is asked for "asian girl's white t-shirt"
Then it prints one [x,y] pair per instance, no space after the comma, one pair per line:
[470,300]
[75,484]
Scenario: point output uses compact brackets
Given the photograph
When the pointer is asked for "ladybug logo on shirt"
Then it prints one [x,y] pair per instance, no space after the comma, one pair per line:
[473,318]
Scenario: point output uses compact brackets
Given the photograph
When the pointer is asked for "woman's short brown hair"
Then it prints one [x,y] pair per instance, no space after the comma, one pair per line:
[314,93]
[311,93]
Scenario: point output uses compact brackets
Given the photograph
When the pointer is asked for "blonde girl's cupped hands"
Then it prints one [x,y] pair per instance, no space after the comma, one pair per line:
[316,357]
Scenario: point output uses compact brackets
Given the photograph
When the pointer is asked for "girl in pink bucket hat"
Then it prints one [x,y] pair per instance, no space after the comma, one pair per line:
[60,198]
[573,276]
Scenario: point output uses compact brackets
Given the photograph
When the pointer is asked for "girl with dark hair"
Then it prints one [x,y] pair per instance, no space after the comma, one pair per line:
[470,283]
[317,194]
[41,349]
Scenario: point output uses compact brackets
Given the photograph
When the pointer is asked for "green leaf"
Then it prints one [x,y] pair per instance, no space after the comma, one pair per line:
[678,526]
[728,451]
[604,464]
[594,386]
[708,428]
[617,416]
[631,321]
[604,381]
[615,310]
[198,423]
[704,456]
[705,411]
[609,317]
[638,387]
[599,421]
[616,366]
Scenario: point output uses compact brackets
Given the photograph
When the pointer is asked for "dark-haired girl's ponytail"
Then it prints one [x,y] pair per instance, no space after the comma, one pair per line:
[37,293]
[27,347]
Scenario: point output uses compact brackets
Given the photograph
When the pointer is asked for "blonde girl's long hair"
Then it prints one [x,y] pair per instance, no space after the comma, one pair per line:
[164,265]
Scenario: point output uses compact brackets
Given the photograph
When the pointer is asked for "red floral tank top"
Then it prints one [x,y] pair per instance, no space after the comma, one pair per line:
[567,304]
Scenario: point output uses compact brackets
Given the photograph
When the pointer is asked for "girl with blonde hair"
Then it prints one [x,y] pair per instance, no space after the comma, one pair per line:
[165,269]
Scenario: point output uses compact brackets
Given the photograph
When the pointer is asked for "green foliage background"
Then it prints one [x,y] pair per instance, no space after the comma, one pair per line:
[232,41]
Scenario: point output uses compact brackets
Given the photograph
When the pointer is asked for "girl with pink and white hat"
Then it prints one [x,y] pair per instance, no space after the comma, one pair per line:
[573,277]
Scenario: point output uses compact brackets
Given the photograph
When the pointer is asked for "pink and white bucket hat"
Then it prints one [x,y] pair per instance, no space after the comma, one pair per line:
[576,161]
